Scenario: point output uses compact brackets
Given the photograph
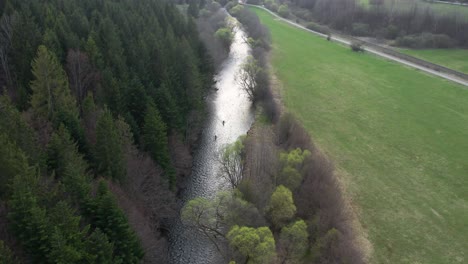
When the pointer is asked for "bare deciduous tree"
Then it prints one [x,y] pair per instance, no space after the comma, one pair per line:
[81,74]
[232,162]
[5,44]
[214,218]
[247,77]
[261,156]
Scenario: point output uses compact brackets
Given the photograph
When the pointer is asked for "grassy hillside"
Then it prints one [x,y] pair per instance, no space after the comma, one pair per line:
[399,138]
[456,59]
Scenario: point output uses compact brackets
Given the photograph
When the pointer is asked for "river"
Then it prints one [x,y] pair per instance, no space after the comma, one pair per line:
[229,104]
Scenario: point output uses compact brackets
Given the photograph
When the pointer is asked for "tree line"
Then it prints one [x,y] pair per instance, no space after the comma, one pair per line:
[97,98]
[415,27]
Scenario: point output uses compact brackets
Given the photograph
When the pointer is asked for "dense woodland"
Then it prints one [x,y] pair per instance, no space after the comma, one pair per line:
[416,27]
[100,101]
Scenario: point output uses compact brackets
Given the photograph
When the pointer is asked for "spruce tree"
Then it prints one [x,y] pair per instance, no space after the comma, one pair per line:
[109,154]
[109,218]
[155,141]
[28,220]
[6,256]
[50,87]
[193,8]
[67,238]
[62,152]
[12,162]
[100,248]
[15,127]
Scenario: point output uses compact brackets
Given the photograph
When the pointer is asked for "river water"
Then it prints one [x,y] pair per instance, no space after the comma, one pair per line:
[229,104]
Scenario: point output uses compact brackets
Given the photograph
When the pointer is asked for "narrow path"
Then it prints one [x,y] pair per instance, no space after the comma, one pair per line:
[451,3]
[373,51]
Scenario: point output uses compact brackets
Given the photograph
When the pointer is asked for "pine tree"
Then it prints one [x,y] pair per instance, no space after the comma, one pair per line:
[169,109]
[18,131]
[62,152]
[109,154]
[109,218]
[50,87]
[12,162]
[26,38]
[136,101]
[28,220]
[193,9]
[6,256]
[100,248]
[155,141]
[67,238]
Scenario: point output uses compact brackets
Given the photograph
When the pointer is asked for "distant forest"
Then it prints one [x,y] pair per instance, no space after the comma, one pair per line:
[100,101]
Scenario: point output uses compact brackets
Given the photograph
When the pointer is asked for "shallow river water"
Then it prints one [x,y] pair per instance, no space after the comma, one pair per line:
[229,104]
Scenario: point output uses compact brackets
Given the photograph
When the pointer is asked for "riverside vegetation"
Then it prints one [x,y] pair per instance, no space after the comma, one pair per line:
[283,203]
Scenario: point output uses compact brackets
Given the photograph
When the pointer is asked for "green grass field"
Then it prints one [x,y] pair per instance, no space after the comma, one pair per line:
[456,59]
[398,137]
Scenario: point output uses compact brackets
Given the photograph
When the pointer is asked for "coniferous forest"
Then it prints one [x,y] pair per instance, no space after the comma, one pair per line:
[100,101]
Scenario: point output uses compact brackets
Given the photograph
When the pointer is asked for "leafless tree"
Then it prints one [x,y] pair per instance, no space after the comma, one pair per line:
[247,78]
[214,218]
[232,162]
[6,25]
[261,157]
[208,23]
[207,217]
[81,74]
[144,197]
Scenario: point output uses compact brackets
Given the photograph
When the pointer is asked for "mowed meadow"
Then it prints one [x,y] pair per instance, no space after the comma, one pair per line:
[398,137]
[456,59]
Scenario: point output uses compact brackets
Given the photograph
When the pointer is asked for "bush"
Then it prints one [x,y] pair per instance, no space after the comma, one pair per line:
[361,29]
[230,5]
[254,2]
[357,47]
[272,5]
[376,2]
[235,11]
[283,11]
[426,40]
[319,28]
[303,14]
[255,30]
[441,41]
[225,36]
[391,32]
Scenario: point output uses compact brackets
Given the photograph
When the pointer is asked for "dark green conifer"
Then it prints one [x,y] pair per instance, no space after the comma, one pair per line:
[109,154]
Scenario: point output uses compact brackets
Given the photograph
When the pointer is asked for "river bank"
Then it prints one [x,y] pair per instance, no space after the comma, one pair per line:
[229,115]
